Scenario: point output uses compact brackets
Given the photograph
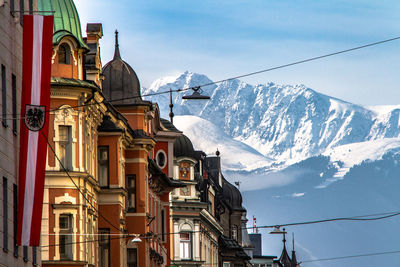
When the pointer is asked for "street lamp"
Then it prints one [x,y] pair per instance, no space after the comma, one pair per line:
[196,95]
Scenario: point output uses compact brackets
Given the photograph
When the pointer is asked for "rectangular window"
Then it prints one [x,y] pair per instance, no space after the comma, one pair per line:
[104,247]
[227,264]
[65,146]
[25,254]
[185,246]
[12,7]
[15,217]
[3,95]
[34,256]
[131,188]
[163,225]
[132,257]
[31,7]
[5,215]
[14,102]
[65,242]
[103,166]
[21,11]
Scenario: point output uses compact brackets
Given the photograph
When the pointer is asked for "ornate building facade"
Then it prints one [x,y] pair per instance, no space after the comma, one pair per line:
[193,222]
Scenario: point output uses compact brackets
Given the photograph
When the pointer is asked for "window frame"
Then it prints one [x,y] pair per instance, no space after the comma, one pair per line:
[104,246]
[101,163]
[135,251]
[66,233]
[15,217]
[5,214]
[183,243]
[14,102]
[4,95]
[65,50]
[131,190]
[66,145]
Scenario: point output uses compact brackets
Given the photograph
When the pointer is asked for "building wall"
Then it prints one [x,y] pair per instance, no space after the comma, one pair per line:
[11,60]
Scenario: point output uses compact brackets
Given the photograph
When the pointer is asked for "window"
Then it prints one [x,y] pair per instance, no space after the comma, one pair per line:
[34,256]
[132,257]
[5,215]
[65,247]
[12,7]
[30,6]
[234,232]
[163,230]
[21,11]
[15,216]
[161,159]
[64,54]
[104,247]
[4,95]
[14,102]
[131,188]
[227,264]
[103,164]
[185,246]
[65,146]
[25,254]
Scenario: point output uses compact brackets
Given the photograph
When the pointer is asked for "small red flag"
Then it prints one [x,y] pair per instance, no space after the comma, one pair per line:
[35,102]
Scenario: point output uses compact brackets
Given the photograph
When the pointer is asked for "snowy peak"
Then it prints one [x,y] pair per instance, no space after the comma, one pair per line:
[283,122]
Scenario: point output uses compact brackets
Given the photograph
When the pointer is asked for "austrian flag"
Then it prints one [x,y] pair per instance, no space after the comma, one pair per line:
[35,100]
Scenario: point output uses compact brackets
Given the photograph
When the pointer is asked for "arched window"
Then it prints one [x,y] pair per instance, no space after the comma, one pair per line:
[64,54]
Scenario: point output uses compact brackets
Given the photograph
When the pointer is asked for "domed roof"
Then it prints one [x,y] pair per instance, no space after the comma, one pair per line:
[232,195]
[66,19]
[183,146]
[121,81]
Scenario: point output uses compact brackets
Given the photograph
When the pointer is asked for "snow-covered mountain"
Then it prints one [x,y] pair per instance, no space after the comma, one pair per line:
[300,156]
[283,122]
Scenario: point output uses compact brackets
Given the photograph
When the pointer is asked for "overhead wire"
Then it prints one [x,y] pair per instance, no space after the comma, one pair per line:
[77,187]
[227,79]
[353,256]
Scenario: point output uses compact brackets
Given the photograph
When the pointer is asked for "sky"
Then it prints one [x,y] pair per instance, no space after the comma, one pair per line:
[223,39]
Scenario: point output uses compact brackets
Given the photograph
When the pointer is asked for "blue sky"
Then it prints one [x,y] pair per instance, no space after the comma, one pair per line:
[222,39]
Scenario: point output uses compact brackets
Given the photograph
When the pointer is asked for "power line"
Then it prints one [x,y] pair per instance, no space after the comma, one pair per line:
[77,187]
[353,256]
[353,218]
[232,78]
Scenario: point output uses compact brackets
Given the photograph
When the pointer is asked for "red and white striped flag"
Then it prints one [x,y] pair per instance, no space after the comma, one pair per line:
[35,99]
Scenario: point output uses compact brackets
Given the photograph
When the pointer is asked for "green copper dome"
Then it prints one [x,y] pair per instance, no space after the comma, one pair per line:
[66,19]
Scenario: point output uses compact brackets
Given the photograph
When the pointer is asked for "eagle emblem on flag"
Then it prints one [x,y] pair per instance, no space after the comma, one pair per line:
[35,116]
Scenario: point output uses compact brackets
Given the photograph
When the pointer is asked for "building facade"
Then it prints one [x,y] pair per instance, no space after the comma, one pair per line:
[193,223]
[11,27]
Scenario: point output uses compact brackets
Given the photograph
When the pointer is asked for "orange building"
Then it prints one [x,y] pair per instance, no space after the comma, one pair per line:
[108,167]
[145,161]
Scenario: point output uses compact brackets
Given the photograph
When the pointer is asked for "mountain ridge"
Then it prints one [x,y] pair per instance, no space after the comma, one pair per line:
[283,122]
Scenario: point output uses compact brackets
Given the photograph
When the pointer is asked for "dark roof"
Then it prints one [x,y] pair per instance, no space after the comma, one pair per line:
[183,146]
[169,182]
[108,126]
[94,27]
[227,243]
[212,165]
[58,81]
[232,196]
[284,259]
[121,80]
[169,126]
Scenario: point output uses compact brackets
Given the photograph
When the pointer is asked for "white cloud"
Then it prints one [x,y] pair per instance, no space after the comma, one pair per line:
[298,194]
